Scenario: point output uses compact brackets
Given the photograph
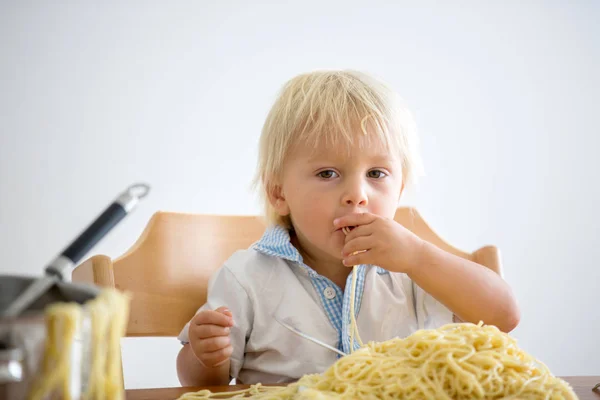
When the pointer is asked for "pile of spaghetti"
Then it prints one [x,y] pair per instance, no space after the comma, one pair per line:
[102,321]
[455,361]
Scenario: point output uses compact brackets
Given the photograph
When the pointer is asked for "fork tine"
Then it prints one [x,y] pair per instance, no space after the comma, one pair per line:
[312,339]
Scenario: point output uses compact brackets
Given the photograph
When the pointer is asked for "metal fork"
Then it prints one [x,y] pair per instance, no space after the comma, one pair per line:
[308,337]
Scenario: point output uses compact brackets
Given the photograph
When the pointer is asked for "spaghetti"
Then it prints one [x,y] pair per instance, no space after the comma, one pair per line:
[108,314]
[353,325]
[455,361]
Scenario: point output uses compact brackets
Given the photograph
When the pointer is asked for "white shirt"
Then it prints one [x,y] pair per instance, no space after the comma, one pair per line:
[269,279]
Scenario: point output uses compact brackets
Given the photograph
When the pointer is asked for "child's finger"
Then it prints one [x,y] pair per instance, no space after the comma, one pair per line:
[357,259]
[360,243]
[216,358]
[213,344]
[358,231]
[212,318]
[207,331]
[354,220]
[224,310]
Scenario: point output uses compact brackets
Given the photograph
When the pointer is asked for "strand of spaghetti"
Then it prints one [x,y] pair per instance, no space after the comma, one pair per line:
[252,390]
[353,324]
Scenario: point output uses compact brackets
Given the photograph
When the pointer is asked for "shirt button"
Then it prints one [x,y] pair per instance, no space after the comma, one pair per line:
[329,293]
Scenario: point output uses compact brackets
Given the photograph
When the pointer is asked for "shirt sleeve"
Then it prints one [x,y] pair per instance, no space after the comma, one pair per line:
[225,290]
[431,314]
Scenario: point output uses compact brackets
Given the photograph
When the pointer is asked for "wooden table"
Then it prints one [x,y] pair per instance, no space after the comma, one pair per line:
[582,385]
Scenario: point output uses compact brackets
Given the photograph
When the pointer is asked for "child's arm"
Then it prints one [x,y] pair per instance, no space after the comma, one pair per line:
[471,291]
[204,361]
[192,372]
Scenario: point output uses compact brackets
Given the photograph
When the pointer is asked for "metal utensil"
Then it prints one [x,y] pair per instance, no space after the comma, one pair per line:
[22,338]
[60,268]
[308,337]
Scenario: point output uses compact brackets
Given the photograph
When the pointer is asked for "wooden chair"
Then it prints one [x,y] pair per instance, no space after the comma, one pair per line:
[168,267]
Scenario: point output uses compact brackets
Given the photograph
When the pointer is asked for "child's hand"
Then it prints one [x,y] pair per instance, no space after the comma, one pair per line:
[383,242]
[209,336]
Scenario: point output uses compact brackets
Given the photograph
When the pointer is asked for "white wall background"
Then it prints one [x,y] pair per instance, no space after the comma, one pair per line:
[97,95]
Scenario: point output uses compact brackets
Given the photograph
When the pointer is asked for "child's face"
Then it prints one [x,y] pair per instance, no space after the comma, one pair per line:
[319,186]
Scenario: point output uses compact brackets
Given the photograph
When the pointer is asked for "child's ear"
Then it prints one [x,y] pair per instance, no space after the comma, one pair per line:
[401,191]
[277,199]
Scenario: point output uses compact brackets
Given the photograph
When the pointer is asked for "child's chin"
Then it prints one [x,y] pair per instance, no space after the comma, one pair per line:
[334,252]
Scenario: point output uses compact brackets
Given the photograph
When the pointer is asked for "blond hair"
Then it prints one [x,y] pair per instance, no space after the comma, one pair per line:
[329,108]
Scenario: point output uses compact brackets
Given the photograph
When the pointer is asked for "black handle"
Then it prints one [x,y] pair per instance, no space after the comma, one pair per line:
[61,266]
[95,232]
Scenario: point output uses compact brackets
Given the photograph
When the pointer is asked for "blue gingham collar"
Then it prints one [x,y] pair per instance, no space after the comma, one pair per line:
[276,242]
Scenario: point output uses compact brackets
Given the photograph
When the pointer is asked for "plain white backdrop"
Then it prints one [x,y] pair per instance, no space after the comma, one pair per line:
[97,95]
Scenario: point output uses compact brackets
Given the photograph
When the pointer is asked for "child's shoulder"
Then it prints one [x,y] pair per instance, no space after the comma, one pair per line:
[241,259]
[252,265]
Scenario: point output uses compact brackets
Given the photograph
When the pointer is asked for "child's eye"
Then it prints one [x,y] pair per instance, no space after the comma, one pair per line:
[377,174]
[327,174]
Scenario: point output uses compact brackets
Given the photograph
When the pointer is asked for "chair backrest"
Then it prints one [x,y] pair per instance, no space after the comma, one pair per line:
[488,256]
[168,267]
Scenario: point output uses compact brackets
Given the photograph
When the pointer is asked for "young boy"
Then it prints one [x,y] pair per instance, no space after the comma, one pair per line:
[337,150]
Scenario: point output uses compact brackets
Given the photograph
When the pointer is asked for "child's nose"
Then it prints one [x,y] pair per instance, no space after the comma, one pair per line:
[355,195]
